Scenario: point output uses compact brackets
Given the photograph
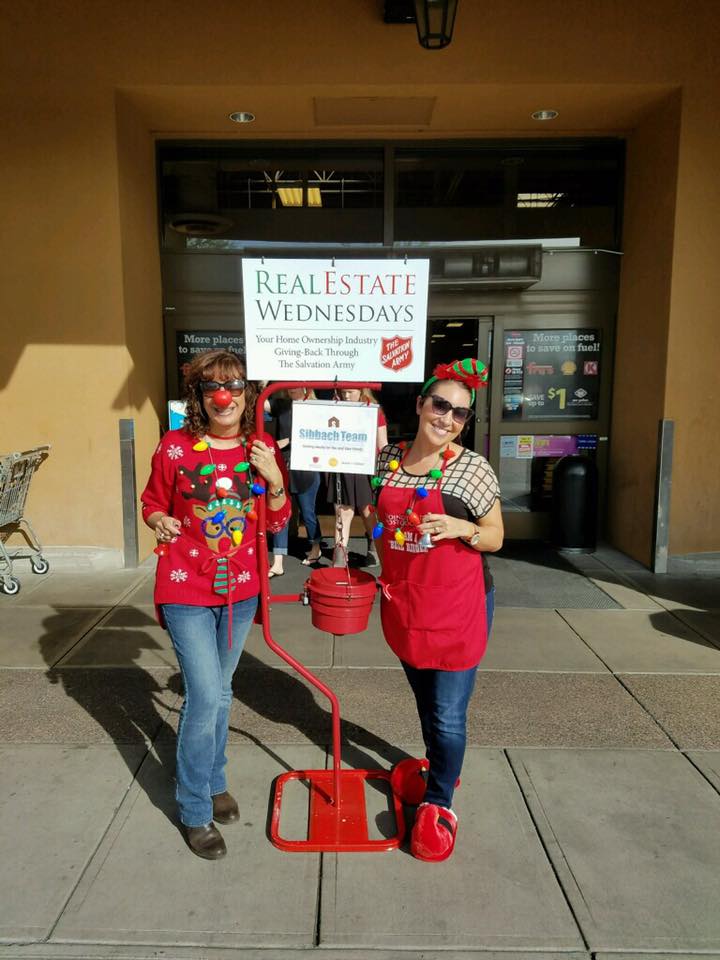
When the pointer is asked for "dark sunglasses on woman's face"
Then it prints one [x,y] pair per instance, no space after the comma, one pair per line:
[441,406]
[235,387]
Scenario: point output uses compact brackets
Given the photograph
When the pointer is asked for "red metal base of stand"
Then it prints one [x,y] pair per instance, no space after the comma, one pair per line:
[339,827]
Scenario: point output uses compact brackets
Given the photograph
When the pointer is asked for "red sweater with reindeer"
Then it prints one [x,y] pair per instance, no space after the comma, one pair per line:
[212,500]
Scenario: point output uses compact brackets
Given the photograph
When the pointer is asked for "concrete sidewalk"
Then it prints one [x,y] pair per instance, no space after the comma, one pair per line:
[589,807]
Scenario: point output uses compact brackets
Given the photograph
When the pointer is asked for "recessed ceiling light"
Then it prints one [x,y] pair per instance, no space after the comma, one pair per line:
[544,114]
[242,116]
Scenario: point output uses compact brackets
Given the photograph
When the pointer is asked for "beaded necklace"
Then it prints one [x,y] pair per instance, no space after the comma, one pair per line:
[236,526]
[418,493]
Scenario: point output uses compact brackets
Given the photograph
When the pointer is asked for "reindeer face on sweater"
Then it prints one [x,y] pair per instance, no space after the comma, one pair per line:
[221,513]
[219,520]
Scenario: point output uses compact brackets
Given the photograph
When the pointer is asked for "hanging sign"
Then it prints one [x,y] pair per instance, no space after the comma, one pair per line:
[334,437]
[346,319]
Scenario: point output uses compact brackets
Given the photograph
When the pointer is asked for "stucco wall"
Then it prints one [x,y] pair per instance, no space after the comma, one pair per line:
[63,366]
[642,326]
[141,289]
[692,393]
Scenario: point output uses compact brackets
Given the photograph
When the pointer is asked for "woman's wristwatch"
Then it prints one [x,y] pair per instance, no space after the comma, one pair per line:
[277,493]
[474,538]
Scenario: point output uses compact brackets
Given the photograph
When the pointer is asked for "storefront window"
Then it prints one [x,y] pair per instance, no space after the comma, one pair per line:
[510,190]
[220,198]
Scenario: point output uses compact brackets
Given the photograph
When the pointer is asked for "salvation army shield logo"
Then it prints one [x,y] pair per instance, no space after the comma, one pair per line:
[396,352]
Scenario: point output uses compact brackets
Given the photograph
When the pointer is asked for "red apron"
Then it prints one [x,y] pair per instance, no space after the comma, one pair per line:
[433,600]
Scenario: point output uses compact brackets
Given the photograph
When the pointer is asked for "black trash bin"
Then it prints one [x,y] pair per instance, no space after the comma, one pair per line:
[574,505]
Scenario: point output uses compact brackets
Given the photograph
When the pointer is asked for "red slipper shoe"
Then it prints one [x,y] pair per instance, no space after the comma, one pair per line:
[407,780]
[433,833]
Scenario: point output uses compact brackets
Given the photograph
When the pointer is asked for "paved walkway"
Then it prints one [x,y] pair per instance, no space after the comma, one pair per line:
[589,807]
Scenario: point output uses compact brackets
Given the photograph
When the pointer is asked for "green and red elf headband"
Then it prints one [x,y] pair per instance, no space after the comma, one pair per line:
[471,373]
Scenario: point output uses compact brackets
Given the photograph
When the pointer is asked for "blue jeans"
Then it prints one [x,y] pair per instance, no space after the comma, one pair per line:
[306,501]
[199,636]
[442,698]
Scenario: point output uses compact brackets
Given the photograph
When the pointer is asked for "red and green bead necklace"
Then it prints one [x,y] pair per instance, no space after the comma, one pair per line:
[419,493]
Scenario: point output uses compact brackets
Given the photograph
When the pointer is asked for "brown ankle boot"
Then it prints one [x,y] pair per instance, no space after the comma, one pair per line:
[206,842]
[225,808]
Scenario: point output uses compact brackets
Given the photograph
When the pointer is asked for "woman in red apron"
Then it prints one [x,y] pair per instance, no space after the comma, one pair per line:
[201,502]
[437,512]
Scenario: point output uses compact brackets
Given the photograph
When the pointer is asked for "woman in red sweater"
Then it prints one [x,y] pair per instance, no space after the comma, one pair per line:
[201,501]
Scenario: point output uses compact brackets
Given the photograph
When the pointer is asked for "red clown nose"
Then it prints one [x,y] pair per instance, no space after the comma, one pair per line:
[222,398]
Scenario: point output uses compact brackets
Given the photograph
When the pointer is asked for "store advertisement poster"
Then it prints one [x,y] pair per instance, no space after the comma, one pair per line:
[188,343]
[551,374]
[334,437]
[508,447]
[525,448]
[360,320]
[556,446]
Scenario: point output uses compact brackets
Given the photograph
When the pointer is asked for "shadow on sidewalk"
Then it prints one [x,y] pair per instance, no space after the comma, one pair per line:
[131,704]
[128,703]
[285,698]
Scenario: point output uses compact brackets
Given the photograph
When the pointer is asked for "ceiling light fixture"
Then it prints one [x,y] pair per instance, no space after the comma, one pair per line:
[435,20]
[242,116]
[293,196]
[544,114]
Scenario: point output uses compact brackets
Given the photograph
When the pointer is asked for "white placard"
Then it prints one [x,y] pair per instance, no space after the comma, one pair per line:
[360,320]
[334,437]
[508,447]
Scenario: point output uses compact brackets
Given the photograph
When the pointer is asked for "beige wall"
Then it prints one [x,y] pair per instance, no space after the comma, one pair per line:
[85,87]
[692,393]
[141,289]
[642,326]
[63,368]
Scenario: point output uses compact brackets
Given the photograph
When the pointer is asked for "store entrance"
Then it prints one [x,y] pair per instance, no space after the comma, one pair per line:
[549,346]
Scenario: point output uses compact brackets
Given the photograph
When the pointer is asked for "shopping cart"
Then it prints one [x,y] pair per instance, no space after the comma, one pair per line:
[16,472]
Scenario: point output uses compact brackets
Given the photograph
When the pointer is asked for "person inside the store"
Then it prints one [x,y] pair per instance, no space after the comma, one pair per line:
[351,492]
[437,514]
[304,484]
[201,501]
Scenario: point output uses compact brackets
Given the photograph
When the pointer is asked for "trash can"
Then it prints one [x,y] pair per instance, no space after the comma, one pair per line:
[574,505]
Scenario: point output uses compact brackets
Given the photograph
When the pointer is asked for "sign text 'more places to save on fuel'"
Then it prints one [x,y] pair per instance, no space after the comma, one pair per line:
[353,319]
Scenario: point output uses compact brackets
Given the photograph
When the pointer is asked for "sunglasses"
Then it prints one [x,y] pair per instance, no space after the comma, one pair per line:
[441,406]
[235,387]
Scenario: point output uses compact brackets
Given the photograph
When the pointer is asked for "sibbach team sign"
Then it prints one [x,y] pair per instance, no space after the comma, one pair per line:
[322,319]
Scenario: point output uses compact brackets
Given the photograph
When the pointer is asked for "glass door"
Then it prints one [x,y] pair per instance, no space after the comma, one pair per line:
[456,339]
[449,338]
[551,381]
